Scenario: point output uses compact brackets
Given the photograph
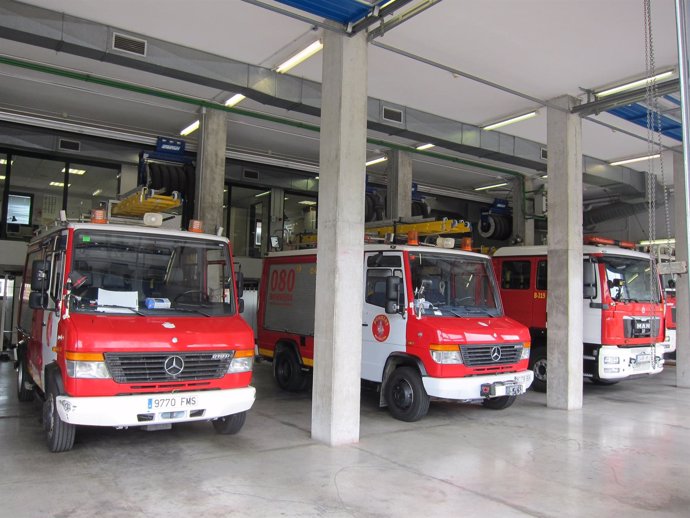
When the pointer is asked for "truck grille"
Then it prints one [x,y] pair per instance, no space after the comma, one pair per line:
[641,327]
[483,355]
[157,367]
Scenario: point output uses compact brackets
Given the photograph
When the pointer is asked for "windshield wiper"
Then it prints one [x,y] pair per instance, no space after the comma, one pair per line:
[133,310]
[183,310]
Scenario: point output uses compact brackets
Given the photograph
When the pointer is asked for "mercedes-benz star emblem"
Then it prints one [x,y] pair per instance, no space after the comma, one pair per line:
[174,365]
[495,353]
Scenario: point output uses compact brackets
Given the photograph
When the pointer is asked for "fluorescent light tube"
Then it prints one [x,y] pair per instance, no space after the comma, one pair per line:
[302,55]
[306,202]
[235,99]
[425,146]
[59,184]
[633,84]
[671,241]
[75,171]
[512,120]
[190,129]
[97,192]
[493,186]
[376,160]
[3,161]
[544,176]
[2,177]
[633,160]
[262,194]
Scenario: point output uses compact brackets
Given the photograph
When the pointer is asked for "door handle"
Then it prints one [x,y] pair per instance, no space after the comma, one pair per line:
[365,325]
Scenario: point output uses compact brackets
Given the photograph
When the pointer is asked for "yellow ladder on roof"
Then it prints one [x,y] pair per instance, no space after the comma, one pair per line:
[143,201]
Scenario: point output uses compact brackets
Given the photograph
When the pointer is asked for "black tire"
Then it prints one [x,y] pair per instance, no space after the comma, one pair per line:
[59,435]
[287,371]
[487,227]
[405,395]
[499,403]
[537,363]
[23,377]
[229,424]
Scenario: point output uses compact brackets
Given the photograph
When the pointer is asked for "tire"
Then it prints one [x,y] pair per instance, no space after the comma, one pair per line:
[23,377]
[229,424]
[487,227]
[405,395]
[499,403]
[59,435]
[538,366]
[287,371]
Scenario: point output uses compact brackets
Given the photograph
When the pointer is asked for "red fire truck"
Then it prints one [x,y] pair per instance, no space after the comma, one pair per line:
[433,326]
[124,325]
[668,283]
[623,311]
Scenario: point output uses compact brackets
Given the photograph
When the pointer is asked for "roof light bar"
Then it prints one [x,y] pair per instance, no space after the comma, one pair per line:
[637,159]
[493,186]
[512,120]
[633,84]
[301,56]
[376,160]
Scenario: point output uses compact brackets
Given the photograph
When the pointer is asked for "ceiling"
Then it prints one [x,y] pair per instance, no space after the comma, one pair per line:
[540,48]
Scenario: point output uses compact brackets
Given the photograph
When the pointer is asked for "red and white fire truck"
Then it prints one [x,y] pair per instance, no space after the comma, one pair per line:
[623,310]
[433,326]
[124,325]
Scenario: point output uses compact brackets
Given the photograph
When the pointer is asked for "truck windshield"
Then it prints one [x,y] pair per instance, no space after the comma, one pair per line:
[145,274]
[629,279]
[447,284]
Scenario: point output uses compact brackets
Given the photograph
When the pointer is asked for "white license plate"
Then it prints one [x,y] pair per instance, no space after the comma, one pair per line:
[171,403]
[513,390]
[643,358]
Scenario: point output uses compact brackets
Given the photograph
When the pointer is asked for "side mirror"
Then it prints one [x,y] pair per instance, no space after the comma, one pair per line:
[393,285]
[38,300]
[239,282]
[589,280]
[39,275]
[240,308]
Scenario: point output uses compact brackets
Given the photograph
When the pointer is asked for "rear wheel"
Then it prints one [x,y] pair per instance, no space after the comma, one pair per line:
[229,424]
[538,365]
[288,372]
[499,403]
[59,434]
[405,395]
[24,379]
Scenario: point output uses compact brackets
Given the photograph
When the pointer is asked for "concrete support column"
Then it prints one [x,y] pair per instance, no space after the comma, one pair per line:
[210,170]
[339,283]
[680,184]
[564,304]
[399,199]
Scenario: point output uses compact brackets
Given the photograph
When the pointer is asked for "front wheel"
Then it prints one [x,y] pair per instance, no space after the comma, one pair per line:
[59,434]
[538,365]
[405,395]
[24,379]
[499,403]
[229,424]
[288,372]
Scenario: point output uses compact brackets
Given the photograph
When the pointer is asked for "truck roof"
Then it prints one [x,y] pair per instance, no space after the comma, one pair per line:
[384,248]
[139,229]
[524,251]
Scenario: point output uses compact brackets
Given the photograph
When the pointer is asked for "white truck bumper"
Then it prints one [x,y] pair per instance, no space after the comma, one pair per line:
[621,362]
[470,388]
[150,409]
[669,343]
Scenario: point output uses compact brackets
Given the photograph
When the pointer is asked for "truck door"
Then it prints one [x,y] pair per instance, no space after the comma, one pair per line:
[591,303]
[382,333]
[517,290]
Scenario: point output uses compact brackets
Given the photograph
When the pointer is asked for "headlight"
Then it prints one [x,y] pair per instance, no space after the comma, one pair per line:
[243,361]
[615,360]
[525,350]
[87,370]
[446,354]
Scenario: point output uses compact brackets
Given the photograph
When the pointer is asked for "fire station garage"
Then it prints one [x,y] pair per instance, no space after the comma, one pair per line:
[344,258]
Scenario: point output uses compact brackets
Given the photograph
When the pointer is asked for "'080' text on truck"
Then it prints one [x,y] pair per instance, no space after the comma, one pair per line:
[433,326]
[132,326]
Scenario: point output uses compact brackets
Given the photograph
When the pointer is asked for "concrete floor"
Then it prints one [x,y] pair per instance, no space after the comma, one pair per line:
[626,453]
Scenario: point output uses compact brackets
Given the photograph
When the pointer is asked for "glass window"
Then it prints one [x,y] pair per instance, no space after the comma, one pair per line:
[629,279]
[3,180]
[300,222]
[129,272]
[90,188]
[515,275]
[376,286]
[247,219]
[541,275]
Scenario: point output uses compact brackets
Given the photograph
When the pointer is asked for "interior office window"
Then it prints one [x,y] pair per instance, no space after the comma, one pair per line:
[515,275]
[35,195]
[299,222]
[245,205]
[90,187]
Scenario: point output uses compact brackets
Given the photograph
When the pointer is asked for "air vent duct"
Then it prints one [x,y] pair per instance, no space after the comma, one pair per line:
[392,115]
[248,174]
[69,145]
[128,44]
[544,154]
